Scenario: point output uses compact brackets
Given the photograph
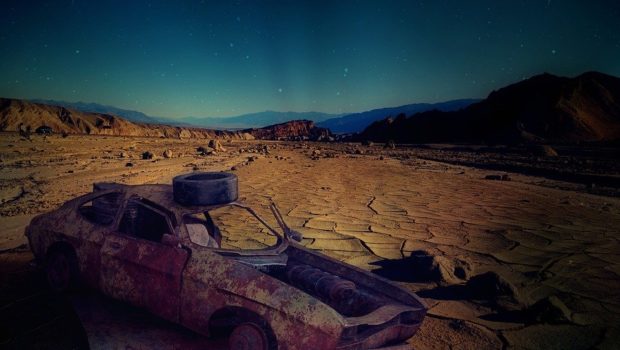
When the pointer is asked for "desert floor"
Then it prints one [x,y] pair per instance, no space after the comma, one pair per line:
[529,263]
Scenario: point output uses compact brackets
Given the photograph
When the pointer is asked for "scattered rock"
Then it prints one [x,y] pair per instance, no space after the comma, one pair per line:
[489,286]
[543,151]
[504,177]
[439,269]
[167,153]
[390,144]
[549,310]
[216,145]
[129,164]
[234,168]
[381,158]
[316,152]
[359,151]
[367,143]
[147,155]
[205,151]
[123,155]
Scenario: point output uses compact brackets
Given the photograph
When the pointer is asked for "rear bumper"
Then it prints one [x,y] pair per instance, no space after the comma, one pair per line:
[381,329]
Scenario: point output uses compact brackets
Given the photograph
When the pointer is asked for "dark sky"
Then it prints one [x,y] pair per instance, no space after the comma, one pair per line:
[215,58]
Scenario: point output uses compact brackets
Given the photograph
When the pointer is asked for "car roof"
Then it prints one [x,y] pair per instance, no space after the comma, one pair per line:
[160,194]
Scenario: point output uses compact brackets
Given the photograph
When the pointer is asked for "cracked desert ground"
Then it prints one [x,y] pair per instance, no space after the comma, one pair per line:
[557,249]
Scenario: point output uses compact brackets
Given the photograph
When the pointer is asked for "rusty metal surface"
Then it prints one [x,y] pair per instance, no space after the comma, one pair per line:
[303,298]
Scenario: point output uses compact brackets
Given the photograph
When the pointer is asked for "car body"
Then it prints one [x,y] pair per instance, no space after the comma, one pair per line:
[135,243]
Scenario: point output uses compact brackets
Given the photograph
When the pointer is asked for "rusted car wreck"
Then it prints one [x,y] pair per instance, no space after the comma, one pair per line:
[165,248]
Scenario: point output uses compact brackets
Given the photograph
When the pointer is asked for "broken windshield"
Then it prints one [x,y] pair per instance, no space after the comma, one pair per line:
[231,227]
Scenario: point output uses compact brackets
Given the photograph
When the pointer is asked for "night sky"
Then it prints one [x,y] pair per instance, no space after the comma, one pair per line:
[208,58]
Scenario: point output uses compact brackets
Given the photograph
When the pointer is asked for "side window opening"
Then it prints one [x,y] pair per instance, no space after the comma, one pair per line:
[202,230]
[101,210]
[142,221]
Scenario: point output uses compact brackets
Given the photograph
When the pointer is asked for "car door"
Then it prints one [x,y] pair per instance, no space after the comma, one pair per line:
[92,220]
[137,267]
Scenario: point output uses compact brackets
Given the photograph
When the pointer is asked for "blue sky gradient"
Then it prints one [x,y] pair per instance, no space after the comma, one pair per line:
[214,58]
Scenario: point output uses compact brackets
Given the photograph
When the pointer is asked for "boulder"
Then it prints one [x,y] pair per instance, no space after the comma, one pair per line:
[438,268]
[549,310]
[490,286]
[205,151]
[216,145]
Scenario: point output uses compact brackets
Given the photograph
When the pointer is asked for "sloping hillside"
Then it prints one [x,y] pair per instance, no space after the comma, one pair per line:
[544,108]
[14,113]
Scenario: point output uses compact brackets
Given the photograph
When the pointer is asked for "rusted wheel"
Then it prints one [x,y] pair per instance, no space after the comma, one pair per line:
[248,336]
[61,270]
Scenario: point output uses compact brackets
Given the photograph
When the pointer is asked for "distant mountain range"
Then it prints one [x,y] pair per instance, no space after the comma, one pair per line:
[256,120]
[338,123]
[357,122]
[544,109]
[27,116]
[131,115]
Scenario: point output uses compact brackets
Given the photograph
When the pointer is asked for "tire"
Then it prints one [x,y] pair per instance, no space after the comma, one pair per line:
[206,188]
[61,270]
[250,336]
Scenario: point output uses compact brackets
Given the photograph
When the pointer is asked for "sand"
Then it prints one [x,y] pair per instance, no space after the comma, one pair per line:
[520,264]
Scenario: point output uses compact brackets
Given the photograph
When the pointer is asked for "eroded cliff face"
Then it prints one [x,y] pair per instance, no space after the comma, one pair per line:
[292,130]
[15,113]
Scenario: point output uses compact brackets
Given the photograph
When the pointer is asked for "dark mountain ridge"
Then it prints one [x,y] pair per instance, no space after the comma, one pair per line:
[545,109]
[357,122]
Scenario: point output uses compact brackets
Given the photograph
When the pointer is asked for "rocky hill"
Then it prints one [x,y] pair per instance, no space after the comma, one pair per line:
[544,108]
[292,130]
[14,113]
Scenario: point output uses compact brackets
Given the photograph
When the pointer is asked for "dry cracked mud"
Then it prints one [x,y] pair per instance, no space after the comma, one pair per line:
[501,264]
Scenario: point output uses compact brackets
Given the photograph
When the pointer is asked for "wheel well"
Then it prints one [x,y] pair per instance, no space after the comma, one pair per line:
[224,320]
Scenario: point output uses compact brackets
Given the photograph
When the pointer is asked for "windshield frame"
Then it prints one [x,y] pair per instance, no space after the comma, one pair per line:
[276,249]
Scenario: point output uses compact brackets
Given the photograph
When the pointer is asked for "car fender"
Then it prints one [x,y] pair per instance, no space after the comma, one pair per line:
[212,281]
